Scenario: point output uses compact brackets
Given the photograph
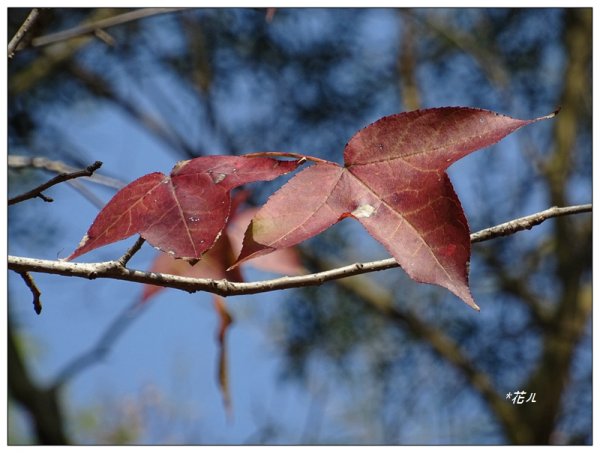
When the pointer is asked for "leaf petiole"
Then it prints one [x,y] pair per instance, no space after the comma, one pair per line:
[301,157]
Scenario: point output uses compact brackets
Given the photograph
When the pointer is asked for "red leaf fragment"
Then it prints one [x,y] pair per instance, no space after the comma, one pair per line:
[285,261]
[213,264]
[394,183]
[225,321]
[216,261]
[183,214]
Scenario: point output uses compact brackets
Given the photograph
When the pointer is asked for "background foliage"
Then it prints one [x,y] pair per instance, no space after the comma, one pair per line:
[371,359]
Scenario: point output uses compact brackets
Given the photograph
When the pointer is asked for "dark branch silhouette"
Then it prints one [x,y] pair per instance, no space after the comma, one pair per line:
[38,191]
[22,31]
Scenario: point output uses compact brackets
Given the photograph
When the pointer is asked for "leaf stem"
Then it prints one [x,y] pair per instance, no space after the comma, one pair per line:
[301,157]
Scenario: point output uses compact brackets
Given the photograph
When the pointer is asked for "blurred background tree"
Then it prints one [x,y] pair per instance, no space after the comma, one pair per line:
[371,359]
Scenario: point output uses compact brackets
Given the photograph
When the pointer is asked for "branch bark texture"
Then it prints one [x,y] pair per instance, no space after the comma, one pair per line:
[100,25]
[117,270]
[22,31]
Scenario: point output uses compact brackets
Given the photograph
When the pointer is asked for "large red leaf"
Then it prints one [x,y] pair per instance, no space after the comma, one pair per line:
[394,183]
[185,213]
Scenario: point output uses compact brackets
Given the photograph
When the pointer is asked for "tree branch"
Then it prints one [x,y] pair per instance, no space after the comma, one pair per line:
[99,25]
[527,222]
[37,303]
[56,166]
[116,270]
[37,192]
[132,251]
[23,29]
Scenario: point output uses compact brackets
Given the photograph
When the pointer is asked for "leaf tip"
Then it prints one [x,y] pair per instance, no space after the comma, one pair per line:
[550,115]
[463,292]
[79,250]
[468,299]
[179,165]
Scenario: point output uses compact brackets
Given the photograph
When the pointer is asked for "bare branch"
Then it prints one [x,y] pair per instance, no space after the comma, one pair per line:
[37,192]
[57,166]
[132,251]
[527,222]
[37,303]
[23,29]
[115,270]
[99,25]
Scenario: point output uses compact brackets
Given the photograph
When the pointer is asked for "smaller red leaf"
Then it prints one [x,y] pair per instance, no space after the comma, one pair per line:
[225,321]
[125,214]
[185,213]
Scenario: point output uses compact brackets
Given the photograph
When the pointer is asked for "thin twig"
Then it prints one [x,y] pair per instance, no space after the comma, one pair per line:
[100,24]
[301,157]
[527,222]
[23,29]
[37,303]
[132,251]
[37,192]
[56,166]
[114,270]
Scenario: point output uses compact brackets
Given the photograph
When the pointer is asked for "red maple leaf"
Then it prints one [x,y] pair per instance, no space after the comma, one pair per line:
[185,213]
[394,182]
